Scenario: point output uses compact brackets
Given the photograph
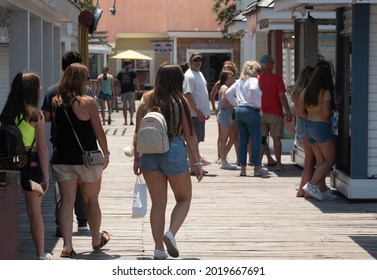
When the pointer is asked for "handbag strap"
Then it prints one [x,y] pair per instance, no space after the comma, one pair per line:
[74,132]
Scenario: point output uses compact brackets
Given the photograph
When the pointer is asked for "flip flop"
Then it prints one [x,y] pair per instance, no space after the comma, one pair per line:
[65,254]
[105,237]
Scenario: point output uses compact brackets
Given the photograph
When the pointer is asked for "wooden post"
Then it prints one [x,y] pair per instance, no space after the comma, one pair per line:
[9,214]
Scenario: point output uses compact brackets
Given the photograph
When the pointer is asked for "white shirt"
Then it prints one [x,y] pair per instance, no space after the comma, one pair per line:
[245,93]
[196,84]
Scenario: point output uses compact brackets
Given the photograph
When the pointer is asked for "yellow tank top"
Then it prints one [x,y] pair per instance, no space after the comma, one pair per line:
[27,131]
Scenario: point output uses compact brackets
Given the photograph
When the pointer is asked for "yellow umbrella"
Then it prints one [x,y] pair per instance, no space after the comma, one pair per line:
[130,54]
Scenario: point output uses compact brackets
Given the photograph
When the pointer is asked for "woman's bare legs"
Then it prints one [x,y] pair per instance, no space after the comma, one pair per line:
[102,102]
[325,159]
[68,191]
[157,187]
[90,192]
[33,207]
[224,136]
[307,172]
[109,109]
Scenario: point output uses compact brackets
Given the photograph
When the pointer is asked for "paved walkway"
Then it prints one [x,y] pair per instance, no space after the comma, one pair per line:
[231,217]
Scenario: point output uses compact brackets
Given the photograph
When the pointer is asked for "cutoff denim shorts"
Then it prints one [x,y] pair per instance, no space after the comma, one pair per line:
[104,96]
[318,132]
[300,127]
[171,163]
[224,117]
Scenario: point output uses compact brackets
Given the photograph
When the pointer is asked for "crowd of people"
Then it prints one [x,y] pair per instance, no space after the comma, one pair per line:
[251,108]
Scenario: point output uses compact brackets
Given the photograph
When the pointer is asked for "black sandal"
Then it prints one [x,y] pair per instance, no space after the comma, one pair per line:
[105,237]
[65,254]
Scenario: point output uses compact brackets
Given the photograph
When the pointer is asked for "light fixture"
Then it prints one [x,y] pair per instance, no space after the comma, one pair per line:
[113,10]
[293,17]
[311,19]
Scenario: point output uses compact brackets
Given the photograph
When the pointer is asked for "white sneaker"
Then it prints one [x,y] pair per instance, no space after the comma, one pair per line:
[328,195]
[260,172]
[313,191]
[46,257]
[226,165]
[171,245]
[159,255]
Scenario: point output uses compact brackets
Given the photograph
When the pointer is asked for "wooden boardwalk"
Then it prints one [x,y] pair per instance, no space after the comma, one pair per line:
[231,217]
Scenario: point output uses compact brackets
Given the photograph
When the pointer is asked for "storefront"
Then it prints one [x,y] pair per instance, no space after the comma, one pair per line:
[355,171]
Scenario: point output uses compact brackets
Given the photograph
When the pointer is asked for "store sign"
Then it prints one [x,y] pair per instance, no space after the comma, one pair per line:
[215,46]
[163,47]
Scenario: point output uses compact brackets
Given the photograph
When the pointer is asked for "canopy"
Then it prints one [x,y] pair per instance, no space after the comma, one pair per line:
[130,54]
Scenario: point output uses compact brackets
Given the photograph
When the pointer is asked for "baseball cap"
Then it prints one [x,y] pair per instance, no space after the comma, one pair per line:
[196,55]
[265,59]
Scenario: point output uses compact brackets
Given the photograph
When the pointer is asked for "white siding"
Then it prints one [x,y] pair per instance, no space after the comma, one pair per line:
[4,76]
[372,104]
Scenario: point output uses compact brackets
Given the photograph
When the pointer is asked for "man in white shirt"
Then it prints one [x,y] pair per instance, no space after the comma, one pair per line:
[195,90]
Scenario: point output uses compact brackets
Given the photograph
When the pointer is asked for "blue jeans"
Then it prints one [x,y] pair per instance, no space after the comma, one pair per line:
[249,125]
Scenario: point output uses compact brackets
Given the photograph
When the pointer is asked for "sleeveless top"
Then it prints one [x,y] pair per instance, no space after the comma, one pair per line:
[67,149]
[105,85]
[27,131]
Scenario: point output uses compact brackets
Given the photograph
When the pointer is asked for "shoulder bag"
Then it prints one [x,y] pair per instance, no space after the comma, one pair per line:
[89,158]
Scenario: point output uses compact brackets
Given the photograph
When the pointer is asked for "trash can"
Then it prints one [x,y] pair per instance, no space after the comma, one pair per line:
[9,214]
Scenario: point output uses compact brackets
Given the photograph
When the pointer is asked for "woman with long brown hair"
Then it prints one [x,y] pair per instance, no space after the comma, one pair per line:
[170,167]
[72,107]
[21,109]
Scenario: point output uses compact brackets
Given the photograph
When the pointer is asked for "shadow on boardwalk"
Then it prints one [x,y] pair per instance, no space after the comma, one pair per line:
[231,217]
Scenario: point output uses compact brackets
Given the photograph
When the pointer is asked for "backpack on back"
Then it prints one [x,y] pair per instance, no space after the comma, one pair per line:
[152,137]
[12,150]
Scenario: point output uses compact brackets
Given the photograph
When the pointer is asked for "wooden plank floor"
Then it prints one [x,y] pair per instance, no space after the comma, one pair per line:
[231,217]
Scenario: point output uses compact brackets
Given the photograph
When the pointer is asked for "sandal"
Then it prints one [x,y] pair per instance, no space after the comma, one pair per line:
[105,237]
[65,254]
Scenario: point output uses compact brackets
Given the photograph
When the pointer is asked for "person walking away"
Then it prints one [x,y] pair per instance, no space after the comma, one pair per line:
[246,95]
[195,90]
[21,109]
[170,167]
[316,100]
[75,111]
[106,93]
[224,118]
[273,102]
[127,81]
[67,59]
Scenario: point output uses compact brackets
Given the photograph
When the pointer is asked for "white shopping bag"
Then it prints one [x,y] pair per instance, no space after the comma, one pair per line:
[139,203]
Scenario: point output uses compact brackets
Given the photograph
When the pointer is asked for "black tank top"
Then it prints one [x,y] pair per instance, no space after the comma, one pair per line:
[67,149]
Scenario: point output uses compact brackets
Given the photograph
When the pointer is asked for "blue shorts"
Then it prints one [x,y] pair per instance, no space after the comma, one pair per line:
[300,127]
[318,132]
[173,162]
[224,117]
[104,96]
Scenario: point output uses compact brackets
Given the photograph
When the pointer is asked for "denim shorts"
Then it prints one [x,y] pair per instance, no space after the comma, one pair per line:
[104,96]
[173,162]
[318,132]
[224,117]
[300,127]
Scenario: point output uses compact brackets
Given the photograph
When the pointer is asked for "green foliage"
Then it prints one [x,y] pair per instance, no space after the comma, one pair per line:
[86,5]
[225,11]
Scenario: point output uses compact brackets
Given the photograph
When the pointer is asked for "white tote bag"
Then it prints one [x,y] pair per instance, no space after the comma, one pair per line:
[139,203]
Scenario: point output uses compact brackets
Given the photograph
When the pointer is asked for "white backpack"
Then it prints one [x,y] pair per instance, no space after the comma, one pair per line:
[152,137]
